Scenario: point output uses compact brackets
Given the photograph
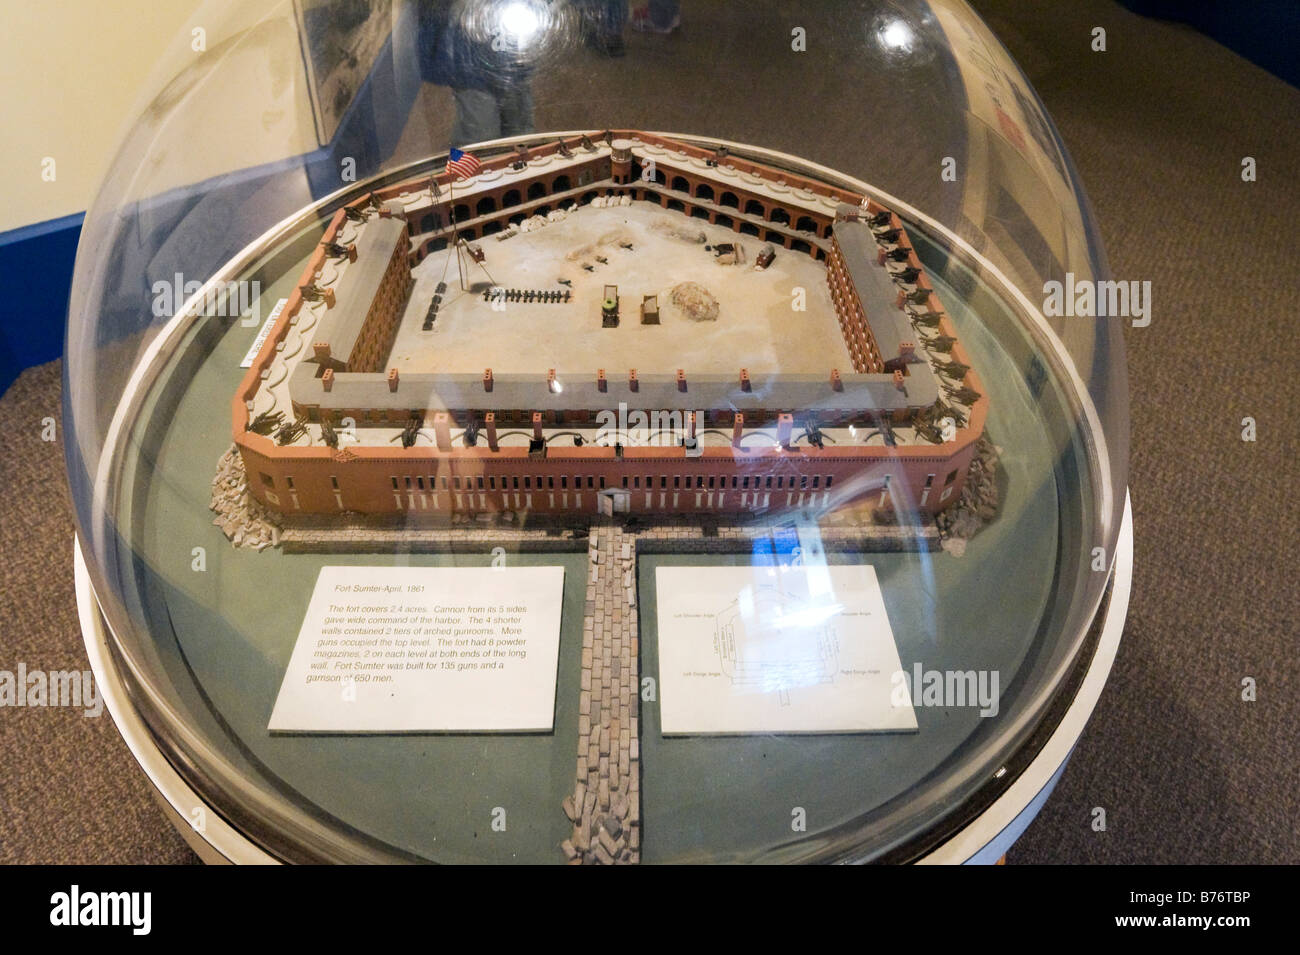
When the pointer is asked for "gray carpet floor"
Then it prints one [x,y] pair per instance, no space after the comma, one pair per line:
[1157,126]
[1186,771]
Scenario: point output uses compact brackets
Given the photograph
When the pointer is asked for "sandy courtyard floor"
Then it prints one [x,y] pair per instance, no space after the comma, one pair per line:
[757,327]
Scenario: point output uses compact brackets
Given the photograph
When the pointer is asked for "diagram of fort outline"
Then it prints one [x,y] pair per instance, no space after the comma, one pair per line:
[747,649]
[753,654]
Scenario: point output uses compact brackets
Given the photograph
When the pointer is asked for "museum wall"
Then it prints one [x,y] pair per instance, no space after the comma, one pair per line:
[113,59]
[52,54]
[76,73]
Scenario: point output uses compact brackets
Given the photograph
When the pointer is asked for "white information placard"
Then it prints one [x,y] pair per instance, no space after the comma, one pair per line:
[435,649]
[777,650]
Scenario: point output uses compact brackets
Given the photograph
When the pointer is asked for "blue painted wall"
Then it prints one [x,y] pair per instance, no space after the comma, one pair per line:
[36,270]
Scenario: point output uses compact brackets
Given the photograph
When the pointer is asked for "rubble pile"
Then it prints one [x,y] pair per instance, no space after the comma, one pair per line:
[695,301]
[675,230]
[533,223]
[587,254]
[600,202]
[245,521]
[978,503]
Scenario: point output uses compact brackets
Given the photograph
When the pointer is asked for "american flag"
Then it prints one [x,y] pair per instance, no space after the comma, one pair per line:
[462,165]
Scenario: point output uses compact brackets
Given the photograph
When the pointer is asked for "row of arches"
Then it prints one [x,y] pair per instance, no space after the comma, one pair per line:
[491,226]
[489,204]
[726,198]
[491,207]
[435,219]
[742,226]
[704,190]
[776,213]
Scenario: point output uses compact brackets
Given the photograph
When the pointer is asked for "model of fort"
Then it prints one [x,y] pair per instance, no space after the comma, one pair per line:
[617,322]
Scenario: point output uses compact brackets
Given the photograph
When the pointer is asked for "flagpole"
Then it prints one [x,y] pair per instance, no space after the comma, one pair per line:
[455,228]
[461,247]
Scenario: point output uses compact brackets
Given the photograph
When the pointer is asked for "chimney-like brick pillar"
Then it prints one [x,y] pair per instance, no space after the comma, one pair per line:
[906,349]
[327,294]
[691,424]
[898,380]
[601,383]
[681,380]
[550,380]
[631,380]
[327,379]
[784,426]
[442,430]
[487,379]
[737,429]
[744,380]
[322,350]
[392,379]
[837,383]
[490,424]
[537,426]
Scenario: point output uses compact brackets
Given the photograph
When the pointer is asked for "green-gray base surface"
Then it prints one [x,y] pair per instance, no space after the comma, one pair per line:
[225,634]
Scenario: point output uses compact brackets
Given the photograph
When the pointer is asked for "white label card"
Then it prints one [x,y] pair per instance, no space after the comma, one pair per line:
[251,355]
[434,649]
[789,649]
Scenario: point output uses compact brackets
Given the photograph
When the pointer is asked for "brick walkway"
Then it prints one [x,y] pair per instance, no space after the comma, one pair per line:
[605,807]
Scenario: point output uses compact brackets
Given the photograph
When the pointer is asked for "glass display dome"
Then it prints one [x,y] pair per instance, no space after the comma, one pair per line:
[503,432]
